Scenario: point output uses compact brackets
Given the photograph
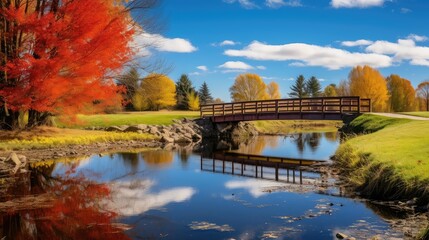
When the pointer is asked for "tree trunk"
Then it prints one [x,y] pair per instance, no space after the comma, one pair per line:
[36,118]
[9,119]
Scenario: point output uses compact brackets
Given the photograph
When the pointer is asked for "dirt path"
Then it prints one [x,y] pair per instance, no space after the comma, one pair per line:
[397,115]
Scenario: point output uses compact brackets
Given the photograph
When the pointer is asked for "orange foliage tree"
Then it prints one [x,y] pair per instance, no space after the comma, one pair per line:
[57,56]
[423,94]
[367,82]
[402,94]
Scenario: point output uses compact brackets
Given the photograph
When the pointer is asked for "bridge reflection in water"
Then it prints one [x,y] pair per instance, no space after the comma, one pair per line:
[288,170]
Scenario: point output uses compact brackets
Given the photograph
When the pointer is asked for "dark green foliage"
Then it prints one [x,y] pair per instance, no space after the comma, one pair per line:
[130,81]
[298,89]
[312,87]
[183,88]
[204,94]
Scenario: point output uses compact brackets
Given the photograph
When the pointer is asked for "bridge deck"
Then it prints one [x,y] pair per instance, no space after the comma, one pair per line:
[322,108]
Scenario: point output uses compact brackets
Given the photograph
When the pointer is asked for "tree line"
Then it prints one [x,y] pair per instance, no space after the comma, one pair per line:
[158,91]
[388,94]
[392,93]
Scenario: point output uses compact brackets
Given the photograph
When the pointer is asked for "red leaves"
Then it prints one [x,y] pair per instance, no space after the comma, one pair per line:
[64,57]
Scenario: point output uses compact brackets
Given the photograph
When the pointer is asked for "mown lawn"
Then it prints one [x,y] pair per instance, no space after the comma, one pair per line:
[418,114]
[294,126]
[400,143]
[44,137]
[128,118]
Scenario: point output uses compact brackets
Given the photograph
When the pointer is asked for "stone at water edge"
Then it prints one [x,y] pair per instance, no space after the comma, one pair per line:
[13,157]
[166,138]
[341,236]
[114,129]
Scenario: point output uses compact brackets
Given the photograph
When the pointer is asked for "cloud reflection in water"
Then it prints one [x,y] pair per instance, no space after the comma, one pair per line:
[132,198]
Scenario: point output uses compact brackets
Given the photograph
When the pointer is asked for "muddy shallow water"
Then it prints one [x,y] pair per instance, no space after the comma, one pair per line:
[181,195]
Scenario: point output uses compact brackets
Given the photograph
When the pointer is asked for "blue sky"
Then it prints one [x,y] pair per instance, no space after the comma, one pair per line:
[215,40]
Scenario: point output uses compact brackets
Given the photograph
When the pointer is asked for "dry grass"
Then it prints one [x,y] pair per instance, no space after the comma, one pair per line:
[43,137]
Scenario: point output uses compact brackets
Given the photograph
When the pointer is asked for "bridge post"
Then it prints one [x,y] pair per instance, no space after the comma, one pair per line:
[277,109]
[323,108]
[358,105]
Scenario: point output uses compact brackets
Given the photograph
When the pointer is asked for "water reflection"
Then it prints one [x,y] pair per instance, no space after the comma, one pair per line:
[179,195]
[131,198]
[58,208]
[159,158]
[300,145]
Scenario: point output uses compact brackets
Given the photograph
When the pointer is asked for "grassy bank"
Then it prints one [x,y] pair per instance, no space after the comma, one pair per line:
[128,118]
[44,137]
[296,126]
[392,162]
[417,114]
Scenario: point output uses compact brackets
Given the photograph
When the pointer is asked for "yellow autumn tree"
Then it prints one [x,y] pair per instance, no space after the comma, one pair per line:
[139,100]
[193,101]
[330,91]
[367,82]
[273,91]
[402,94]
[159,91]
[248,87]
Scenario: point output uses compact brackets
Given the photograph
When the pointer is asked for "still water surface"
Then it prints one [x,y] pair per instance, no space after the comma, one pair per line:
[179,195]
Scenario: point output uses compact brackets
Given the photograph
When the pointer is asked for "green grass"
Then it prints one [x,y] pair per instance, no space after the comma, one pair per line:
[391,162]
[402,145]
[294,126]
[369,123]
[129,118]
[417,114]
[45,137]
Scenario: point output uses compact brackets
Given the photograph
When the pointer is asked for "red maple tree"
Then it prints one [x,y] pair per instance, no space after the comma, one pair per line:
[57,56]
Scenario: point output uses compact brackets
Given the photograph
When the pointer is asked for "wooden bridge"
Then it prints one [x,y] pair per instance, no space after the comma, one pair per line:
[320,108]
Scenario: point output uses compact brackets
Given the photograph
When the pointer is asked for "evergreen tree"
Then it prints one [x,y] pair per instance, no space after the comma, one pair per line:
[130,80]
[183,88]
[312,87]
[204,94]
[298,89]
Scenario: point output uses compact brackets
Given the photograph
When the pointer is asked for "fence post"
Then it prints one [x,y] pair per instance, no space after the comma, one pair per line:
[277,109]
[358,105]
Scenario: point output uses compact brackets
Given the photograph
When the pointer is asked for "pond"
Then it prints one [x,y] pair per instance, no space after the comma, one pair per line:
[182,195]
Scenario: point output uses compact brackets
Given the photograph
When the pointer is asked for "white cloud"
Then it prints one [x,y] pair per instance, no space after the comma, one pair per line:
[361,42]
[247,4]
[195,73]
[142,42]
[403,49]
[417,38]
[281,3]
[405,10]
[261,67]
[228,43]
[356,3]
[203,68]
[236,65]
[310,55]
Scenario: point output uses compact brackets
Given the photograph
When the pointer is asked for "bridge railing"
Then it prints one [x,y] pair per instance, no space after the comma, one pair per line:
[292,105]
